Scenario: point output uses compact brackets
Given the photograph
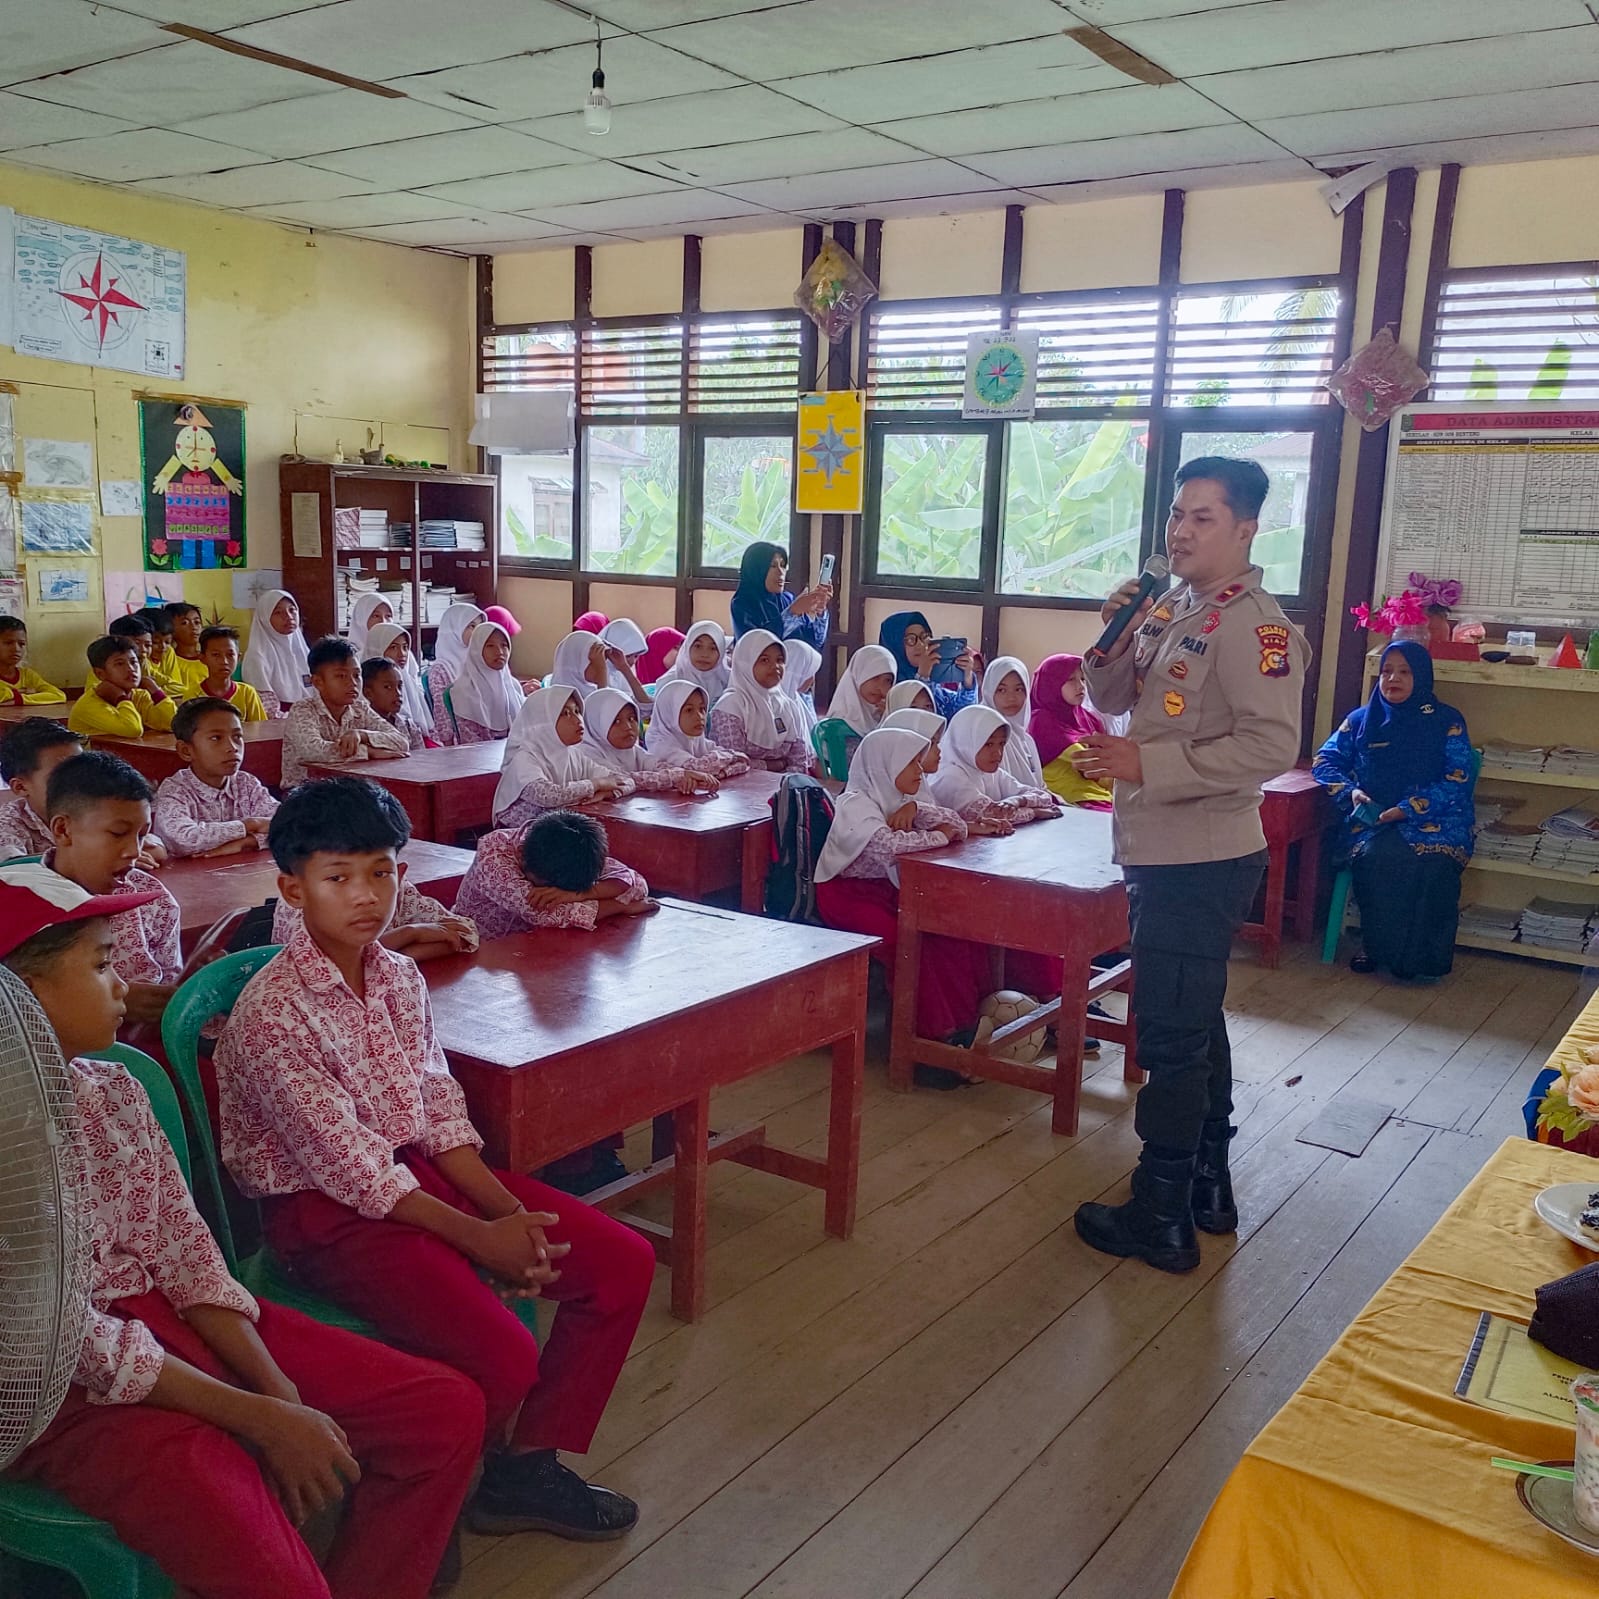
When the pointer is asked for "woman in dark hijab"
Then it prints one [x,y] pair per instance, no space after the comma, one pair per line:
[1401,769]
[909,637]
[763,599]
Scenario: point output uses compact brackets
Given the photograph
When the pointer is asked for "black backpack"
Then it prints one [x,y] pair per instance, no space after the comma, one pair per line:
[802,814]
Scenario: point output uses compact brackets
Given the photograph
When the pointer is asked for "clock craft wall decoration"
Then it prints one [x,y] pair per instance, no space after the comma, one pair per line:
[192,455]
[1001,376]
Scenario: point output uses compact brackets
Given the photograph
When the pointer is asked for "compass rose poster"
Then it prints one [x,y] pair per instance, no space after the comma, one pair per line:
[98,299]
[1001,376]
[192,458]
[828,467]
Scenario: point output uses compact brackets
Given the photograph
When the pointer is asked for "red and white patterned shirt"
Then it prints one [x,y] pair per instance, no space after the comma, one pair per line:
[147,944]
[881,848]
[413,908]
[22,831]
[494,892]
[192,817]
[727,732]
[311,732]
[319,1088]
[144,1234]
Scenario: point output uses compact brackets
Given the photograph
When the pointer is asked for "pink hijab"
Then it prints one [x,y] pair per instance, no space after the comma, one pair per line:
[591,622]
[1054,724]
[652,663]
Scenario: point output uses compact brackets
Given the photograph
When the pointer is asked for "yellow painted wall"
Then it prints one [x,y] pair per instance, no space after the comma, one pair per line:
[1271,230]
[304,330]
[1091,244]
[924,257]
[638,279]
[1527,212]
[750,271]
[533,286]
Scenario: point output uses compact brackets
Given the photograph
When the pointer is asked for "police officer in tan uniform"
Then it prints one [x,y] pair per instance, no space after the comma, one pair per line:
[1213,676]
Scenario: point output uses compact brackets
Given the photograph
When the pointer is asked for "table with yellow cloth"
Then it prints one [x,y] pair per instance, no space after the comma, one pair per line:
[1373,1480]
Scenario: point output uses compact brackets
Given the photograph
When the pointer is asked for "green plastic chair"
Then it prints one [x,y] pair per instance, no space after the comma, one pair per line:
[39,1526]
[834,740]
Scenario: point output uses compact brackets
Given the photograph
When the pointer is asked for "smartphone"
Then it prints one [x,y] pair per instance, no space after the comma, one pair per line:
[950,648]
[825,575]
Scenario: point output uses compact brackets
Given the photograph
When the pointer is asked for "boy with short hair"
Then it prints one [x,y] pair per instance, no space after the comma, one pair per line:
[333,722]
[182,664]
[383,685]
[181,1371]
[29,752]
[219,653]
[340,1114]
[99,813]
[555,874]
[161,652]
[213,806]
[19,683]
[137,628]
[119,704]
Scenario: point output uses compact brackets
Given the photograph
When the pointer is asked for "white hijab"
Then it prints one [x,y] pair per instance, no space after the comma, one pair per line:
[957,782]
[626,635]
[450,649]
[669,745]
[600,710]
[481,694]
[869,799]
[571,661]
[804,663]
[765,712]
[928,723]
[361,621]
[535,749]
[272,660]
[871,660]
[903,696]
[683,670]
[1021,753]
[378,640]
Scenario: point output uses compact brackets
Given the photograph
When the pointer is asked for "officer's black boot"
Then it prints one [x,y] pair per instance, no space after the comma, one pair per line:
[1156,1225]
[1214,1210]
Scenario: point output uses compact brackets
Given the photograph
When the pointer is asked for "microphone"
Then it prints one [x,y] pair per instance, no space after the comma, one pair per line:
[1156,570]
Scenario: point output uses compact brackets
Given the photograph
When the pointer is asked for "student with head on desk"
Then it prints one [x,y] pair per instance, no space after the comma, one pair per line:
[119,703]
[340,1114]
[213,806]
[333,722]
[19,683]
[29,752]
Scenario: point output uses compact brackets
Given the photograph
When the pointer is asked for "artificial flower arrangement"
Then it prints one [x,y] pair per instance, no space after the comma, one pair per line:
[1406,609]
[1569,1109]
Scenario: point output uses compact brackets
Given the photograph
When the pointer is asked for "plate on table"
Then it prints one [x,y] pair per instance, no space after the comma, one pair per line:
[1562,1207]
[1549,1501]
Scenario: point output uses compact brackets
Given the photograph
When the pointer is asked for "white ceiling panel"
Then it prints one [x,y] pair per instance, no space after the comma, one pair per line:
[1267,34]
[1106,113]
[823,34]
[684,209]
[528,191]
[216,15]
[381,39]
[1107,13]
[1474,116]
[272,183]
[127,157]
[821,194]
[24,121]
[467,236]
[40,36]
[685,122]
[944,206]
[780,158]
[1284,169]
[640,14]
[1498,147]
[1479,66]
[443,157]
[962,80]
[1125,157]
[556,82]
[364,211]
[341,119]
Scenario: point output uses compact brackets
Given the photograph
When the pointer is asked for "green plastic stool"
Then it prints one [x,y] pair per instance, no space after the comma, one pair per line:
[833,739]
[1337,910]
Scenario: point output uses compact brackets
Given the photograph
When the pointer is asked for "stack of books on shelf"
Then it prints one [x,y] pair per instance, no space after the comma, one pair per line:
[436,601]
[444,533]
[399,536]
[1558,924]
[1523,757]
[1506,841]
[374,529]
[1569,840]
[1569,761]
[1490,921]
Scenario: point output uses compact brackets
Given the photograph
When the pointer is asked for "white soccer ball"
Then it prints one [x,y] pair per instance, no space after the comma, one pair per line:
[999,1010]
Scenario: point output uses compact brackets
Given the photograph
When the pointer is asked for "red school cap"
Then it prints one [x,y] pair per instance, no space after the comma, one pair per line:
[33,898]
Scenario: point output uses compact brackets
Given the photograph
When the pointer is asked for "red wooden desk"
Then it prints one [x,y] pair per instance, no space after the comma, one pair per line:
[156,754]
[1293,810]
[207,889]
[695,845]
[1051,888]
[560,1038]
[443,791]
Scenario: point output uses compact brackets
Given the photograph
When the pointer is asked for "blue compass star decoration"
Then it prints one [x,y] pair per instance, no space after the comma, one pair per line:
[830,452]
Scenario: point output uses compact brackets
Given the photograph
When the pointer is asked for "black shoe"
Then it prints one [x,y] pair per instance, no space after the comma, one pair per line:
[1156,1225]
[1363,964]
[1213,1207]
[536,1493]
[603,1166]
[449,1572]
[943,1078]
[1096,1009]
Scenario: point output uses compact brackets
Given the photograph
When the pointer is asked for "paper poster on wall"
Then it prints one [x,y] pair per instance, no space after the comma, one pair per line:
[64,587]
[829,474]
[57,527]
[98,299]
[121,497]
[305,522]
[248,587]
[1001,376]
[8,529]
[127,592]
[8,436]
[8,228]
[57,464]
[193,479]
[13,595]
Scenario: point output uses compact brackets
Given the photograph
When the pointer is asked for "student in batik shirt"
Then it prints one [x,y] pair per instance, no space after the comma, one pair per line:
[213,806]
[333,723]
[29,752]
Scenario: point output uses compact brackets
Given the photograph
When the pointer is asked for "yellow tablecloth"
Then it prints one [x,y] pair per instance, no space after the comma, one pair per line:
[1373,1481]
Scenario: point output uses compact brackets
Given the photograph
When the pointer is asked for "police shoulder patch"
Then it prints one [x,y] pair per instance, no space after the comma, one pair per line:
[1275,660]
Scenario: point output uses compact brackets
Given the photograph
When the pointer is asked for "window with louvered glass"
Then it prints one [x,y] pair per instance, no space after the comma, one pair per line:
[1517,336]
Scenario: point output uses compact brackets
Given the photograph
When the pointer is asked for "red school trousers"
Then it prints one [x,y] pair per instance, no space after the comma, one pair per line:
[425,1295]
[192,1498]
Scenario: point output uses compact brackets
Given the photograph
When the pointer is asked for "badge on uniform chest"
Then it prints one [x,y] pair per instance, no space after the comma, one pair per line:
[1194,646]
[1174,703]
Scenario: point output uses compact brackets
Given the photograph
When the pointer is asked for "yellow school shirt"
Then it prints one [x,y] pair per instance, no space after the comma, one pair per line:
[132,718]
[241,697]
[181,677]
[33,689]
[159,669]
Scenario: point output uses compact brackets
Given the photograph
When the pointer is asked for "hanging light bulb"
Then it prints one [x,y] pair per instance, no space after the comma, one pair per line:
[596,106]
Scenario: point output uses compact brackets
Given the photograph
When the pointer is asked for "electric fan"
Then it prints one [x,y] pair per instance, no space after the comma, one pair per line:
[44,1243]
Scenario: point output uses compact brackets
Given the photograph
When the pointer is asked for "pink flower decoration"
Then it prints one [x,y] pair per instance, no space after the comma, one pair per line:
[158,546]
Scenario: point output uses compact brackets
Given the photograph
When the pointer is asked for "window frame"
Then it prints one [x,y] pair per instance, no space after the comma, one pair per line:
[725,425]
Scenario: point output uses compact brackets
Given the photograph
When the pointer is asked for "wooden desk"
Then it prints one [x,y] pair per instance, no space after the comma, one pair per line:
[206,889]
[444,791]
[59,711]
[1293,810]
[561,1037]
[695,845]
[156,754]
[1051,888]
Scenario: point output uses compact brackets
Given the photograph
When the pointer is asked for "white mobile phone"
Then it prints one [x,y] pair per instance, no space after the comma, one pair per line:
[826,573]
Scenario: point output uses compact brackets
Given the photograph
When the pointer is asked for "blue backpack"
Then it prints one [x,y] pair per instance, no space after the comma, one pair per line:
[802,815]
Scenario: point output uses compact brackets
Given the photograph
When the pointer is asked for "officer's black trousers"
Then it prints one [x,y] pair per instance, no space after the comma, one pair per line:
[1183,921]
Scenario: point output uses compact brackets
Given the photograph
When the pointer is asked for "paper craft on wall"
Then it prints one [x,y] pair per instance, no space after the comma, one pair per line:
[63,586]
[57,464]
[8,529]
[127,592]
[98,299]
[57,527]
[8,437]
[828,473]
[1001,376]
[121,497]
[248,587]
[193,466]
[13,595]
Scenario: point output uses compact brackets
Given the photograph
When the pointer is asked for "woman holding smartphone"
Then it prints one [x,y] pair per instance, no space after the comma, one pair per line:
[909,637]
[763,598]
